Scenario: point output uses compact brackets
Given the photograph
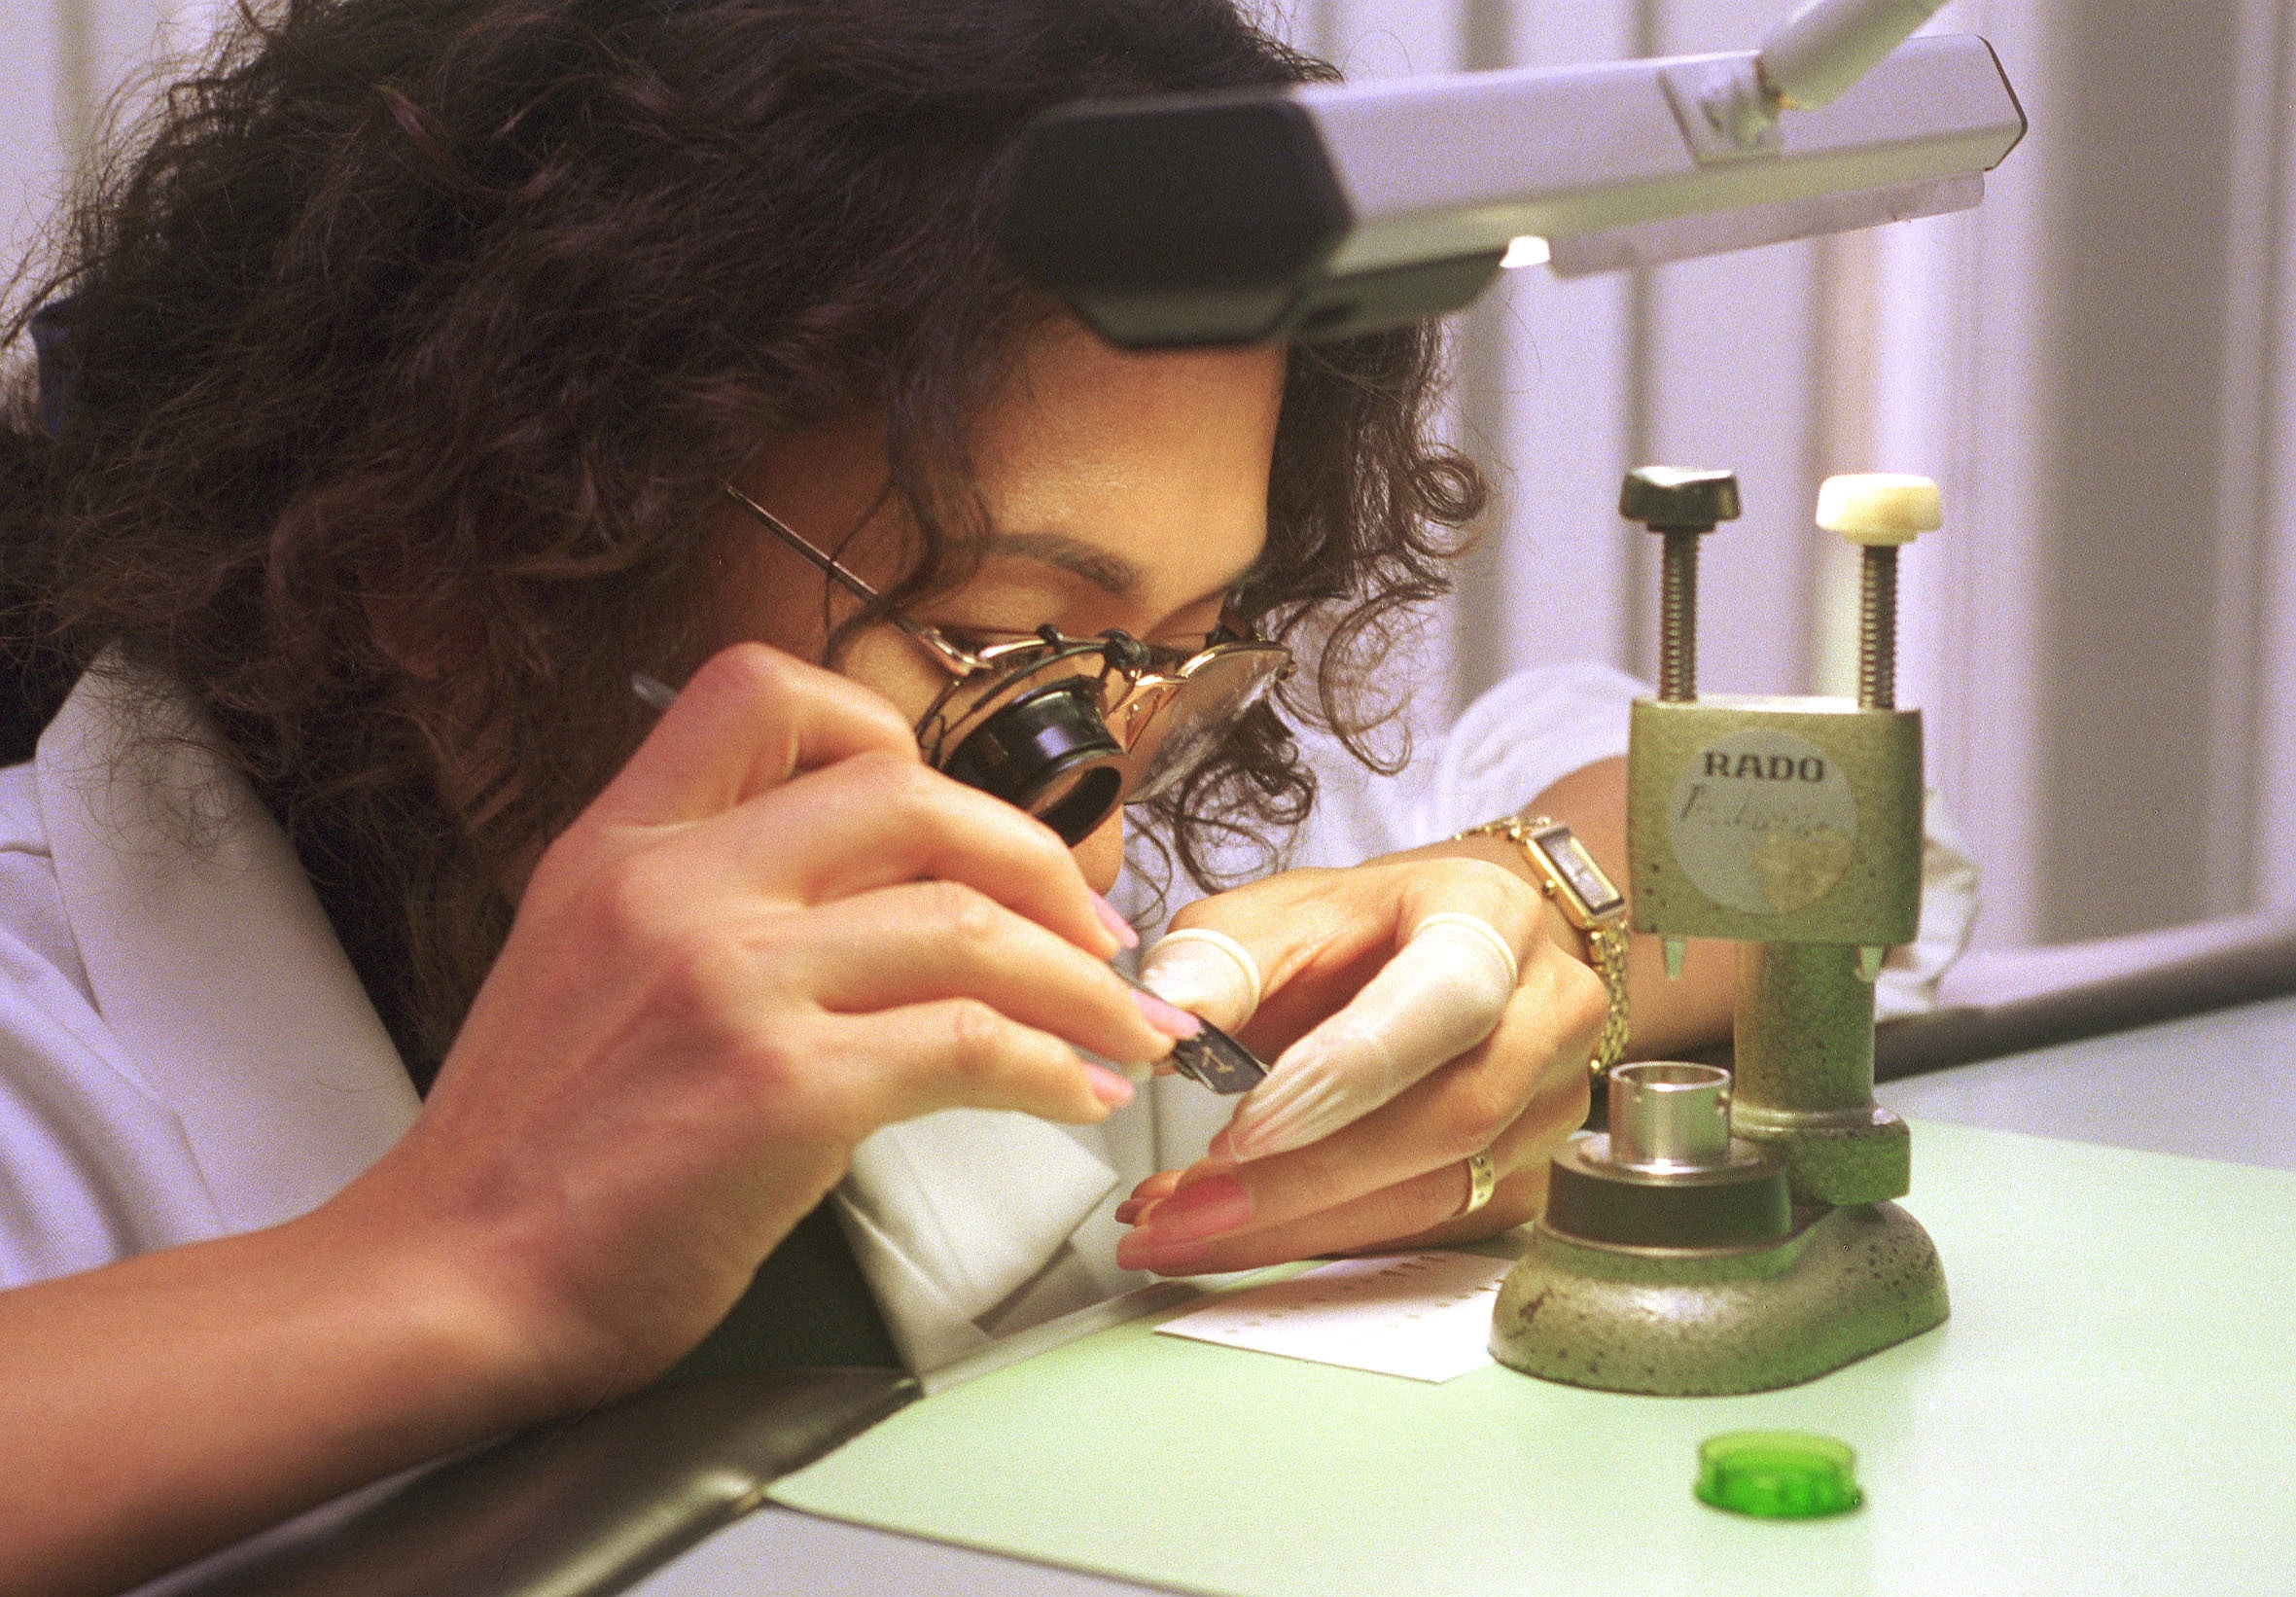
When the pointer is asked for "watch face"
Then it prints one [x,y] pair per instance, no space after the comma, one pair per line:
[1577,869]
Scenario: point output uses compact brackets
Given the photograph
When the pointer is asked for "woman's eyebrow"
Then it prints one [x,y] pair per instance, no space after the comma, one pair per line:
[1109,572]
[1104,569]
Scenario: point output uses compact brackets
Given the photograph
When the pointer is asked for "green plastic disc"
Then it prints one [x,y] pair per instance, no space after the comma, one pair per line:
[1778,1475]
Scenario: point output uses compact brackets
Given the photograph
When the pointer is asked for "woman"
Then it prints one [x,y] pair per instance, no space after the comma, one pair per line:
[410,1038]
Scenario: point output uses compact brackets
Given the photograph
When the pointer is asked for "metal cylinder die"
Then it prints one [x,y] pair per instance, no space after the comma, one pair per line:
[1667,1174]
[1669,1116]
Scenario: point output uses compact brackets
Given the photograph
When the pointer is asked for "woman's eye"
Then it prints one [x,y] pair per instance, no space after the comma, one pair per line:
[1190,634]
[976,634]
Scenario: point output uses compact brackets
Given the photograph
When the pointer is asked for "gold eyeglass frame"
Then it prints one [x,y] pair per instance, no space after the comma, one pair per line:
[1152,674]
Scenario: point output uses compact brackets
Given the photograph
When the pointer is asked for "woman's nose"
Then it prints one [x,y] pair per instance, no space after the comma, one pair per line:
[1101,853]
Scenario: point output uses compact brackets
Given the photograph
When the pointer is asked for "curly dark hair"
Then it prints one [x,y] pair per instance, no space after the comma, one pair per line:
[466,306]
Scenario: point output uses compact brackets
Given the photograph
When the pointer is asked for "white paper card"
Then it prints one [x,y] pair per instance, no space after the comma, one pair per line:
[1426,1316]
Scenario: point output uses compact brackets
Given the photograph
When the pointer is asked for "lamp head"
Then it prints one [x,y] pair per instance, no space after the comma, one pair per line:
[1320,211]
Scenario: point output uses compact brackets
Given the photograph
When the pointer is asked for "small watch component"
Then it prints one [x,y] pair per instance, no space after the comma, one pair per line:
[1589,901]
[1211,1058]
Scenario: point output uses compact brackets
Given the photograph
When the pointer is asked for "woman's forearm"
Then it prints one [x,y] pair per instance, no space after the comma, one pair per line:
[160,1407]
[774,932]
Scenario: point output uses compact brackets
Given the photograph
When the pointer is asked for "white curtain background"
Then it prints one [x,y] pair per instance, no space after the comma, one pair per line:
[2094,363]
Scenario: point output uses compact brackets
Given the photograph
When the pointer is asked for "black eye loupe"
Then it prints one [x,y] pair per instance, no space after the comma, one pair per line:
[1048,751]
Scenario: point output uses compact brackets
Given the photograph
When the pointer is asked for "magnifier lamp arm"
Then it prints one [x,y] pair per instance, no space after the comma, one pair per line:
[1807,63]
[1810,57]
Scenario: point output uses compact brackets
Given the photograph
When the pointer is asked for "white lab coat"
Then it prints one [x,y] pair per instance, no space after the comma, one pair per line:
[186,1052]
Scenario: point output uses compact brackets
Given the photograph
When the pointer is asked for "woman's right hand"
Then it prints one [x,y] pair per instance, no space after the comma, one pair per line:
[775,931]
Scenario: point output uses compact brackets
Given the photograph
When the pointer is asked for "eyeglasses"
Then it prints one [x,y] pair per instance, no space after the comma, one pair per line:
[1069,728]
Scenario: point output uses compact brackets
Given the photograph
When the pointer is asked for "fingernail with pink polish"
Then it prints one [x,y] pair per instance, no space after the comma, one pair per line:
[1107,1086]
[1119,927]
[1165,1018]
[1206,1209]
[1130,1209]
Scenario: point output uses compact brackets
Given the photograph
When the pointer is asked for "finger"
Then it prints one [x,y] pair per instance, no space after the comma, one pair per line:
[748,720]
[1462,1110]
[1379,1222]
[1478,890]
[886,823]
[1205,972]
[871,822]
[1415,1213]
[1529,1080]
[921,942]
[1444,991]
[1276,1198]
[1303,934]
[1148,1191]
[960,1053]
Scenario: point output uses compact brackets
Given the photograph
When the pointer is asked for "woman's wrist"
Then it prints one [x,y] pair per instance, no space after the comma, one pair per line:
[434,1325]
[457,1315]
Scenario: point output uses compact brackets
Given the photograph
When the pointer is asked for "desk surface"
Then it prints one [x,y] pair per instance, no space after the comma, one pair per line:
[2221,1086]
[2145,1451]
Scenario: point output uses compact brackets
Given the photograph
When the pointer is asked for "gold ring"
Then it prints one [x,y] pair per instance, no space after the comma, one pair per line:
[1481,1179]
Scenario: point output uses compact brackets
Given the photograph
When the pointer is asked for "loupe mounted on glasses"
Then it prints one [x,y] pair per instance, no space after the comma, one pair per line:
[1050,753]
[1069,728]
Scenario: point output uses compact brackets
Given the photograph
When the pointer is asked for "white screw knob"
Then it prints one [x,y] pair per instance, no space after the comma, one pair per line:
[1880,509]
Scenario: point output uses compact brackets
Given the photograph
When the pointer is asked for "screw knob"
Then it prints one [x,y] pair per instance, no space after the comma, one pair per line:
[1877,511]
[1681,506]
[1671,498]
[1880,509]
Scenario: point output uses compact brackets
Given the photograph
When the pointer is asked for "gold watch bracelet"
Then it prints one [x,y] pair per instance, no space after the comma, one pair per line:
[1605,935]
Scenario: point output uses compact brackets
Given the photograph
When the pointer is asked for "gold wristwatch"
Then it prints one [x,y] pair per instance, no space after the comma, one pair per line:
[1589,901]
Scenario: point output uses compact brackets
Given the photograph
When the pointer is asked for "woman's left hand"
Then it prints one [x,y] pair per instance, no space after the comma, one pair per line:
[1381,1089]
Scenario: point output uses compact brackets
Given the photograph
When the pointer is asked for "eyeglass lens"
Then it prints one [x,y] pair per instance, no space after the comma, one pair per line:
[1170,728]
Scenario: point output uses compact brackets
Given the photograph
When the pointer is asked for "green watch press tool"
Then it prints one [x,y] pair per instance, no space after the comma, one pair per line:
[1733,1231]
